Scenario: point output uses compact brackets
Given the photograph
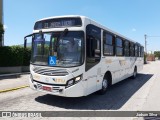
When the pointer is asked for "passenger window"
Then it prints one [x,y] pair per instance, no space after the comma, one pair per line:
[142,51]
[139,51]
[126,48]
[136,50]
[119,47]
[131,49]
[108,44]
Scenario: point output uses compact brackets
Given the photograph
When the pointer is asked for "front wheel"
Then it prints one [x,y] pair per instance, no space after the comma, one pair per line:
[104,87]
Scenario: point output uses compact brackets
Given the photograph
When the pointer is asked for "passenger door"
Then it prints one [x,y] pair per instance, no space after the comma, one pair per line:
[93,55]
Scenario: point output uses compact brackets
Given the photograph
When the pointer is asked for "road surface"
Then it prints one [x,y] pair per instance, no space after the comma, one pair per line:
[140,94]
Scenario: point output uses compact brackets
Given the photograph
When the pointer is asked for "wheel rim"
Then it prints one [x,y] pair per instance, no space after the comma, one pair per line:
[104,84]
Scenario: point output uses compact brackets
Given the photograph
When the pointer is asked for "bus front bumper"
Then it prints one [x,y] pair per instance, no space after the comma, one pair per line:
[76,90]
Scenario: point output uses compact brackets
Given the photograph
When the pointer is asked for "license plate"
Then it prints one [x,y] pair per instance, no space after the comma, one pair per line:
[47,88]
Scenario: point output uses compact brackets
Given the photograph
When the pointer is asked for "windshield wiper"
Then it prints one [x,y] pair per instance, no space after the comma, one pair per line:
[61,35]
[58,39]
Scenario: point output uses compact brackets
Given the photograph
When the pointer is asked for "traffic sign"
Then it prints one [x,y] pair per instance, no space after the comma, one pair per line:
[52,60]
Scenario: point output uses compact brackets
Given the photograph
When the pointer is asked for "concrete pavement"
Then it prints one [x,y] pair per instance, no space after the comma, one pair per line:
[11,82]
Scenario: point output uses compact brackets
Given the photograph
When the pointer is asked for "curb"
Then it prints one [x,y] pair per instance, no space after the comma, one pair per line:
[13,74]
[12,89]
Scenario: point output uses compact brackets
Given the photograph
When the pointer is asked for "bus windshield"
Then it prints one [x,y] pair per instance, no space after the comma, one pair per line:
[67,49]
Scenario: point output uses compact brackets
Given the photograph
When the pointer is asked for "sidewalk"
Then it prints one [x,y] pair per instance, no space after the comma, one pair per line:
[9,82]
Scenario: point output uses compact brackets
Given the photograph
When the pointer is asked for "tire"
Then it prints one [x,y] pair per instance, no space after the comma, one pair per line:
[104,87]
[134,73]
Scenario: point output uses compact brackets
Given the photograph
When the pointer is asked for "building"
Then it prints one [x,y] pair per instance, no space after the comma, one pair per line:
[150,57]
[1,20]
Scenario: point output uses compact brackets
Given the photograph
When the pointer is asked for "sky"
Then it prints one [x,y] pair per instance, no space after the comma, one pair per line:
[131,18]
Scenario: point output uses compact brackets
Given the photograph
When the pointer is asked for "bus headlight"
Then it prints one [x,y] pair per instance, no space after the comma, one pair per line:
[70,83]
[73,81]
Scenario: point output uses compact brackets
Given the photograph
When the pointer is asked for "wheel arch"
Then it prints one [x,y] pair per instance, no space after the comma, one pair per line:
[108,76]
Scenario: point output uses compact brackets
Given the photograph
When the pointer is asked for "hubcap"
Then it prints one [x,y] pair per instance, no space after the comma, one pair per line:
[105,84]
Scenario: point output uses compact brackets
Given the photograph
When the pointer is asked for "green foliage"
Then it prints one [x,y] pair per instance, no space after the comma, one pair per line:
[1,31]
[14,56]
[27,56]
[145,57]
[157,54]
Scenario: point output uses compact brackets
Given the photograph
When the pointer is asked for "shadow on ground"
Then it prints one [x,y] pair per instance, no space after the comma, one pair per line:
[114,99]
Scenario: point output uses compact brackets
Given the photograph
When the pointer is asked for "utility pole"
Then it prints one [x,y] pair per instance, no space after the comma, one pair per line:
[1,21]
[145,38]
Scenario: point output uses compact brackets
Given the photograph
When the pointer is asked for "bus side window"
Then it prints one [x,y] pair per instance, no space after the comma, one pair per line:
[139,51]
[93,47]
[126,48]
[142,51]
[108,44]
[132,49]
[119,47]
[136,50]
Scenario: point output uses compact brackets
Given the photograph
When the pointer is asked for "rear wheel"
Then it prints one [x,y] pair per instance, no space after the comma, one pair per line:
[134,73]
[104,87]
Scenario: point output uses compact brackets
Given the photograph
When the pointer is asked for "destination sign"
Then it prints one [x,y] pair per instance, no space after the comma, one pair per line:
[57,23]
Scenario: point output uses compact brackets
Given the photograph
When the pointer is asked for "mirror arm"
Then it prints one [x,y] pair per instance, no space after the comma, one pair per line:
[25,40]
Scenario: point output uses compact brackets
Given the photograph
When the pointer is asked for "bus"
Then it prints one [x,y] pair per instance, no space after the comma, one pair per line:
[75,56]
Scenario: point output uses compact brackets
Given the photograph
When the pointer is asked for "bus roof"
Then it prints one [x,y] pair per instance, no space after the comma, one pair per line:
[93,22]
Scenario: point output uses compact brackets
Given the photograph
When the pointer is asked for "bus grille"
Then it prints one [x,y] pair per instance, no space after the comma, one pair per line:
[50,71]
[55,87]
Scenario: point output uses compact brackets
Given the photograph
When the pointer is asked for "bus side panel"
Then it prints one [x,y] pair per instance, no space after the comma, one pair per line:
[93,77]
[110,63]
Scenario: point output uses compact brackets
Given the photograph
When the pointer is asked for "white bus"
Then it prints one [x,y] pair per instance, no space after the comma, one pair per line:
[74,56]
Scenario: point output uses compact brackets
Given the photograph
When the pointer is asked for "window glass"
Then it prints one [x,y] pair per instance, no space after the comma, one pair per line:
[67,49]
[119,48]
[108,48]
[119,51]
[108,39]
[142,51]
[126,48]
[118,42]
[136,50]
[139,51]
[132,49]
[93,46]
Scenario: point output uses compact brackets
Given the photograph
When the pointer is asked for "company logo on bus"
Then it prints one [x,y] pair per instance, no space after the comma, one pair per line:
[58,80]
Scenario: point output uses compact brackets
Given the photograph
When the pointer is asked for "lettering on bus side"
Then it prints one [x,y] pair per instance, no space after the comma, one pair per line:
[122,62]
[108,61]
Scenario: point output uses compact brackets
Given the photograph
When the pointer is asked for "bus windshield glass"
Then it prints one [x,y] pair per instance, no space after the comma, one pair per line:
[65,48]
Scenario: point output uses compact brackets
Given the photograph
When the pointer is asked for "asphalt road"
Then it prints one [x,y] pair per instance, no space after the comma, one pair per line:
[140,94]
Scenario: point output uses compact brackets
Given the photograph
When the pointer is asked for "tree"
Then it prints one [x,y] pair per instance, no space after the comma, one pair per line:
[157,54]
[1,33]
